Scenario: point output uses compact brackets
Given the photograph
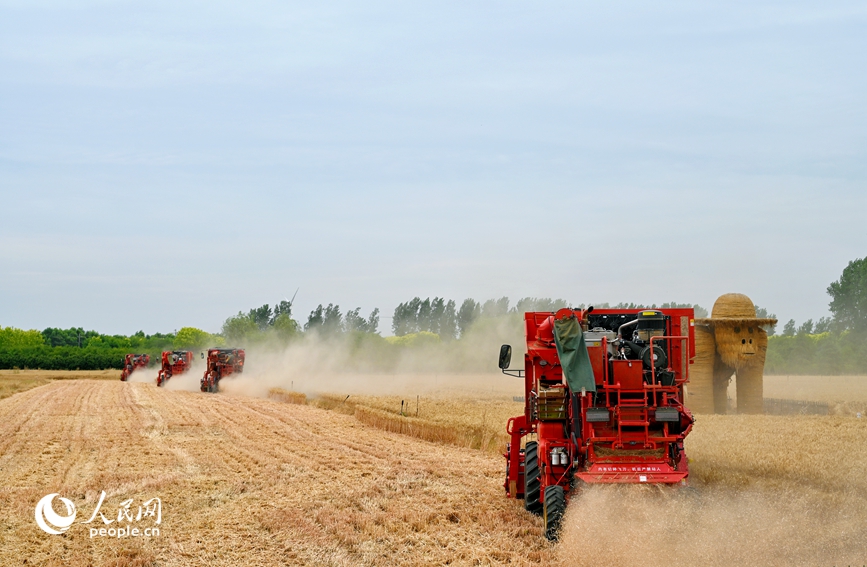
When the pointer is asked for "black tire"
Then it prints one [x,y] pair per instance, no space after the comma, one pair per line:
[532,483]
[554,508]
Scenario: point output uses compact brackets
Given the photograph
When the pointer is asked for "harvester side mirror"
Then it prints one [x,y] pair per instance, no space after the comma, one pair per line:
[203,355]
[505,356]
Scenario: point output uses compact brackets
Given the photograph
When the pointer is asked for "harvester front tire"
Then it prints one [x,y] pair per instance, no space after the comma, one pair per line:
[532,483]
[554,508]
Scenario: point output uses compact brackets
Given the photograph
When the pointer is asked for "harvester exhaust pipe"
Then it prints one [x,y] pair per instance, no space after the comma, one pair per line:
[623,326]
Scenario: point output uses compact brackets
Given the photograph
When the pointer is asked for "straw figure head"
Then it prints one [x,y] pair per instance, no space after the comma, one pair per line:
[741,342]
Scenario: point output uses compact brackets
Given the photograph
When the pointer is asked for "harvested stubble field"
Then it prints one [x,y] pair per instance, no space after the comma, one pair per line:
[845,395]
[14,381]
[248,481]
[472,420]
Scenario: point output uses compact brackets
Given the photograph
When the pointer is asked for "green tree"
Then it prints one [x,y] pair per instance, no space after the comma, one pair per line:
[75,336]
[191,338]
[789,328]
[424,313]
[700,312]
[353,321]
[325,320]
[470,311]
[849,297]
[448,327]
[496,307]
[762,313]
[284,326]
[406,317]
[437,313]
[10,337]
[261,316]
[282,308]
[806,328]
[240,328]
[373,321]
[823,325]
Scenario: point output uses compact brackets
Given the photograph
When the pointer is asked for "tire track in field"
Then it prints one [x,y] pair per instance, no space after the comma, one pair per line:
[37,441]
[303,434]
[16,413]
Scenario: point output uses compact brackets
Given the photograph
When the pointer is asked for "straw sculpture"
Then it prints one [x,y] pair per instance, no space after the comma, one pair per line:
[730,343]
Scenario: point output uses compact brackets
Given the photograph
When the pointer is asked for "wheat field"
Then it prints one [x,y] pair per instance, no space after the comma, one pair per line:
[337,481]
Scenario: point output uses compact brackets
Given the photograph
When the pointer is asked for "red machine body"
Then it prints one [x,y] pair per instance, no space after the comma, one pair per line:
[222,362]
[630,430]
[175,363]
[133,362]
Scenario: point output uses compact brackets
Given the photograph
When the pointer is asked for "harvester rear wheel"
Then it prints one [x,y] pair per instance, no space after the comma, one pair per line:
[532,483]
[555,507]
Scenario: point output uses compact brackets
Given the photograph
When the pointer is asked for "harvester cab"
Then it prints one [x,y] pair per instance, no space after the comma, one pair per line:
[603,393]
[175,363]
[133,362]
[222,362]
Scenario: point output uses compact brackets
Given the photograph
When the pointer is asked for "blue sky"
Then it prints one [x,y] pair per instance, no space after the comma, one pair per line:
[168,164]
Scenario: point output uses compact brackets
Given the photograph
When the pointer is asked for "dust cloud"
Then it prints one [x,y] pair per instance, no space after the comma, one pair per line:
[144,375]
[712,525]
[370,365]
[189,381]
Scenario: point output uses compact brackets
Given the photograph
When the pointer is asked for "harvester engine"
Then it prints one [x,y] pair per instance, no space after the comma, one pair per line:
[604,395]
[222,362]
[133,362]
[175,363]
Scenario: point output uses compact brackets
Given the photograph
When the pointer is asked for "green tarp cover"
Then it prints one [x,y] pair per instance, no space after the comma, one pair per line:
[572,351]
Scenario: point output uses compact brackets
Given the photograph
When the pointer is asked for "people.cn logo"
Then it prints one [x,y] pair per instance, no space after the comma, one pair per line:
[50,521]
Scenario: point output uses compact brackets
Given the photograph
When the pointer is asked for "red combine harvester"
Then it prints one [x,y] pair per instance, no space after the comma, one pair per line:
[132,362]
[604,403]
[175,363]
[222,362]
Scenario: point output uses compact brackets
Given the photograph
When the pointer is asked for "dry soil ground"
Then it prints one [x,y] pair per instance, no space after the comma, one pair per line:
[247,481]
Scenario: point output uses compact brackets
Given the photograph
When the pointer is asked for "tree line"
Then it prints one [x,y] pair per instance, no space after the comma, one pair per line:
[441,317]
[835,344]
[75,348]
[831,345]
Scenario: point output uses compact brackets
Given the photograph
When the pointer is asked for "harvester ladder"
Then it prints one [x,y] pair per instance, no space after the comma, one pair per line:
[643,421]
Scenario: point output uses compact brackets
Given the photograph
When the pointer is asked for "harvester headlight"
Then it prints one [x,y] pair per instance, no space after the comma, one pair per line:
[667,414]
[598,415]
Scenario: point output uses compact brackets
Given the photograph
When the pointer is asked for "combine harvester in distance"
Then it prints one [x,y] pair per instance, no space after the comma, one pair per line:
[222,362]
[604,395]
[175,363]
[133,362]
